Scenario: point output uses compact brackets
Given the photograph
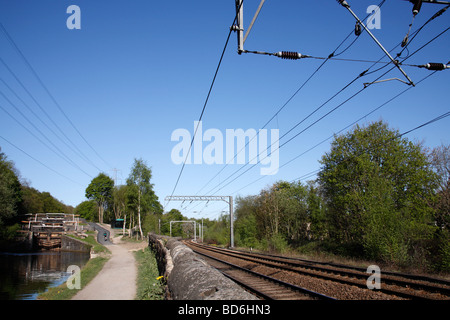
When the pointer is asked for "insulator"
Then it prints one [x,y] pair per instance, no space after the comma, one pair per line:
[343,3]
[289,55]
[405,41]
[358,29]
[435,66]
[417,6]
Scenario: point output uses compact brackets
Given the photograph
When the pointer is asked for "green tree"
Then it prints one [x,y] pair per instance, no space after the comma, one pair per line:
[316,212]
[245,226]
[378,188]
[87,210]
[172,215]
[440,160]
[10,192]
[32,200]
[141,196]
[119,201]
[100,190]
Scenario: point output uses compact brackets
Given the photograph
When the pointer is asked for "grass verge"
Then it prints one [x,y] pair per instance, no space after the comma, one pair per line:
[88,272]
[150,286]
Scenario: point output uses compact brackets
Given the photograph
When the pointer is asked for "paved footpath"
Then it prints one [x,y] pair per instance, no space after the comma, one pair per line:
[117,279]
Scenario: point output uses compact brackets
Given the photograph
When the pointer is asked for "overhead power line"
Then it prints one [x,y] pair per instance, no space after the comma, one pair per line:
[322,117]
[338,132]
[33,71]
[40,162]
[438,118]
[206,101]
[330,56]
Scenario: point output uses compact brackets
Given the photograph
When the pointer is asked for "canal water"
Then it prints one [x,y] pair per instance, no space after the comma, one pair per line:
[23,276]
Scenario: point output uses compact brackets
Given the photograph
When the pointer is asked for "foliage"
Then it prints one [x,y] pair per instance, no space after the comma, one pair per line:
[100,190]
[150,286]
[279,216]
[140,194]
[377,187]
[87,210]
[377,196]
[119,201]
[10,191]
[172,215]
[18,198]
[42,202]
[440,160]
[218,232]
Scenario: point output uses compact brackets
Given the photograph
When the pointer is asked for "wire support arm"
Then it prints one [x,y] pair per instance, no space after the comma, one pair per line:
[395,62]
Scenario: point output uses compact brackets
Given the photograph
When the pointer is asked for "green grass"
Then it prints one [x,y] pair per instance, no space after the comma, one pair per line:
[88,272]
[96,247]
[150,286]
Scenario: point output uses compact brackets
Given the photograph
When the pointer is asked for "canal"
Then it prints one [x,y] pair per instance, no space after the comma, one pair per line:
[23,276]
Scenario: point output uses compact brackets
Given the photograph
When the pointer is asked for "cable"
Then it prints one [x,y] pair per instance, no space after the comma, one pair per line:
[46,125]
[206,102]
[438,118]
[40,107]
[67,160]
[338,132]
[406,42]
[27,63]
[330,56]
[40,162]
[328,113]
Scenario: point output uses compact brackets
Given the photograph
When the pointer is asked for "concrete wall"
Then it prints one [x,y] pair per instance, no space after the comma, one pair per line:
[189,277]
[71,244]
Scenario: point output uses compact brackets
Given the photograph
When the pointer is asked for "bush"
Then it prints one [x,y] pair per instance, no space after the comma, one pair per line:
[277,243]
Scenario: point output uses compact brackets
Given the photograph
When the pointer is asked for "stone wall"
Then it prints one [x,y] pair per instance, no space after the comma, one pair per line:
[189,277]
[75,245]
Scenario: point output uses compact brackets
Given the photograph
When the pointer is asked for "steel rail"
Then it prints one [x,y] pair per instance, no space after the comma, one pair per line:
[271,279]
[270,263]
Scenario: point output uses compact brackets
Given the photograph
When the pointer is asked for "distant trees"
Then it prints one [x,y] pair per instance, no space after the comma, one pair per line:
[279,216]
[18,198]
[36,201]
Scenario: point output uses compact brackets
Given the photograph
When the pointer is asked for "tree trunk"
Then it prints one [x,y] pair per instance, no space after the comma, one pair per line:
[100,213]
[139,214]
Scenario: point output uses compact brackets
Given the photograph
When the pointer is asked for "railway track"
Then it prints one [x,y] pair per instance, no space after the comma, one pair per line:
[262,285]
[330,280]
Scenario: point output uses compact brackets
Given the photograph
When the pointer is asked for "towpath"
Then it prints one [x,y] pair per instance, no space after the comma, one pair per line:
[117,279]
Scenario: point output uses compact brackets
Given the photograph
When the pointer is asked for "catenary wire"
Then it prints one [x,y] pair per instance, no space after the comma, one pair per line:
[330,56]
[206,101]
[40,162]
[338,132]
[328,113]
[33,71]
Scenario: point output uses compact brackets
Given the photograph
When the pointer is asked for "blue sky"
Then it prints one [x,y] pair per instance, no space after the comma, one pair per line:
[138,70]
